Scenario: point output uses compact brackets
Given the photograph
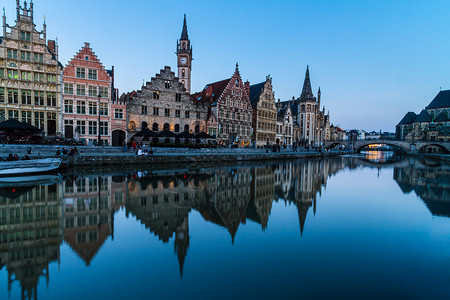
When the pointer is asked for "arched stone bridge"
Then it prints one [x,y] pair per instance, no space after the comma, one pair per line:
[410,147]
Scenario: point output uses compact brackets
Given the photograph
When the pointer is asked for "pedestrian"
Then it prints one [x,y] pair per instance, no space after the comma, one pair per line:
[16,157]
[133,145]
[58,151]
[10,157]
[64,151]
[25,157]
[150,152]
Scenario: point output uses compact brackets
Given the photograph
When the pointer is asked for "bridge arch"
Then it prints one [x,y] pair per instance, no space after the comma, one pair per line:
[360,146]
[440,146]
[336,144]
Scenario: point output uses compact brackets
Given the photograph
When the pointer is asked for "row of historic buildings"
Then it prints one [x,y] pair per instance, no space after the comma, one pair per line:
[80,101]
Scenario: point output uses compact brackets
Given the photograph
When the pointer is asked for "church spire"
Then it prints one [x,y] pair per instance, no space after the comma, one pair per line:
[307,90]
[184,33]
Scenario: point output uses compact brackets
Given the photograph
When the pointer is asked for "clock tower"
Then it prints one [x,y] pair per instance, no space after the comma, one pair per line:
[184,58]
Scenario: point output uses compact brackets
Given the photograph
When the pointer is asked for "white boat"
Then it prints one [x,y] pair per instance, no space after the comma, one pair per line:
[29,166]
[31,180]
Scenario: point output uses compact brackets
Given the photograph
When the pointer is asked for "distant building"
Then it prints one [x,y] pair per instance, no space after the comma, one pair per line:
[432,123]
[30,74]
[285,126]
[88,91]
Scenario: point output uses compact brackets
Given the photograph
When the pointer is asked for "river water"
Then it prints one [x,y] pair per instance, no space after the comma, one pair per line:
[356,227]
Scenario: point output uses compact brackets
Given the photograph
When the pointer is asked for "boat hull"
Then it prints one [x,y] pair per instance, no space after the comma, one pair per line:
[29,166]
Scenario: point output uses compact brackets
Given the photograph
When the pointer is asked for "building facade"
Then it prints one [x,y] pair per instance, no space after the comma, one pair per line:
[164,104]
[284,126]
[89,97]
[264,120]
[230,104]
[30,74]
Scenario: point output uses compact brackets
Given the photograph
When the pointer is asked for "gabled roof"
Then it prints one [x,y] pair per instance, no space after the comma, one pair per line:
[408,118]
[212,91]
[307,90]
[184,33]
[442,117]
[255,92]
[423,117]
[441,100]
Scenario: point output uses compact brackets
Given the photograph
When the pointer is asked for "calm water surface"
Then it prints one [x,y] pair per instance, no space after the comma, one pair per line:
[368,227]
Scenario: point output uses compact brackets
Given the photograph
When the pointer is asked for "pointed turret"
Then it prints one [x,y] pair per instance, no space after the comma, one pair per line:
[307,90]
[184,33]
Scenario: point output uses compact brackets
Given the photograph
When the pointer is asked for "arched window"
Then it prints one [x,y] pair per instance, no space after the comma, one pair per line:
[177,128]
[166,126]
[186,127]
[197,129]
[144,125]
[183,73]
[132,126]
[184,45]
[155,127]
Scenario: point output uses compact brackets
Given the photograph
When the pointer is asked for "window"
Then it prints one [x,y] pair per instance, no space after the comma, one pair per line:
[26,117]
[12,54]
[39,77]
[104,128]
[198,115]
[92,108]
[81,127]
[86,58]
[177,128]
[118,113]
[92,127]
[25,36]
[132,126]
[51,99]
[92,74]
[39,119]
[13,74]
[92,91]
[186,127]
[178,98]
[144,110]
[155,94]
[177,113]
[81,107]
[103,91]
[13,96]
[2,115]
[25,56]
[81,73]
[26,97]
[2,95]
[167,84]
[2,72]
[155,111]
[39,98]
[186,114]
[68,106]
[13,114]
[81,90]
[104,109]
[38,57]
[167,112]
[27,76]
[51,78]
[68,88]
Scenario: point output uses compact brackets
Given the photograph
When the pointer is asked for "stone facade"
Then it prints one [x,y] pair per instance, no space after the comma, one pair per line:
[284,126]
[30,74]
[164,104]
[264,119]
[230,105]
[84,80]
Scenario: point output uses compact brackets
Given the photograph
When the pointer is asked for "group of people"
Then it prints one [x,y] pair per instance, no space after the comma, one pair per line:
[15,157]
[72,152]
[144,151]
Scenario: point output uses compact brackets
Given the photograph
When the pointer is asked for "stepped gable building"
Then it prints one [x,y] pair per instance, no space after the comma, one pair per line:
[164,104]
[89,92]
[30,81]
[264,120]
[230,106]
[184,58]
[432,123]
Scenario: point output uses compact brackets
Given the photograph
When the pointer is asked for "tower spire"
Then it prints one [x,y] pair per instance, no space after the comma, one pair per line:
[307,90]
[184,33]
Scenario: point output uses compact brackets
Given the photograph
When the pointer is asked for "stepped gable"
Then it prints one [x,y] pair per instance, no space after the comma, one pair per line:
[442,100]
[408,118]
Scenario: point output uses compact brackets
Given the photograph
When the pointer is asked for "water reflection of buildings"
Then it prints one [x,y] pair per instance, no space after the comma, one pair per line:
[430,183]
[89,205]
[30,233]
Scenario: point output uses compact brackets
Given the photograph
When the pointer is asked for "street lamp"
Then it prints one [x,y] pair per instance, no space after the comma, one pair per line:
[99,141]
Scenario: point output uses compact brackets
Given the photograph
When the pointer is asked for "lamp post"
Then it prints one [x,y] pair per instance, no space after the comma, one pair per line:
[99,141]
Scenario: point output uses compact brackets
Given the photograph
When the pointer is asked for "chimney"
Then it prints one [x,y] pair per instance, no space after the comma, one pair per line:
[51,46]
[247,87]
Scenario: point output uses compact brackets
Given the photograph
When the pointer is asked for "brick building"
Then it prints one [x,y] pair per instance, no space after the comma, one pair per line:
[88,91]
[230,108]
[30,81]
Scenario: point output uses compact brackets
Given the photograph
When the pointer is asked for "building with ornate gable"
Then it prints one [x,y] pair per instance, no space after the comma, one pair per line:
[88,92]
[30,81]
[230,104]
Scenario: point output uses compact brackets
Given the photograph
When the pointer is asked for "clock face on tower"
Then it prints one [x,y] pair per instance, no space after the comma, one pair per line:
[183,60]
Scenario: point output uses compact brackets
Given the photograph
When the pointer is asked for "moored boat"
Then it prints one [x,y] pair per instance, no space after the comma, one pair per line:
[29,166]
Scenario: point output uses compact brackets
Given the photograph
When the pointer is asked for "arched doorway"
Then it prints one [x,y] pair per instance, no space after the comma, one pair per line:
[166,126]
[186,127]
[144,125]
[118,136]
[155,127]
[177,128]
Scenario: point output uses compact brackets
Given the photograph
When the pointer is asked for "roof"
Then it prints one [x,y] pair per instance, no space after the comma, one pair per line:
[442,117]
[212,91]
[423,117]
[441,100]
[307,90]
[408,118]
[184,33]
[255,92]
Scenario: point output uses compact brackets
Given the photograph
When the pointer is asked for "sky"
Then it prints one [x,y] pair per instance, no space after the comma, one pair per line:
[374,60]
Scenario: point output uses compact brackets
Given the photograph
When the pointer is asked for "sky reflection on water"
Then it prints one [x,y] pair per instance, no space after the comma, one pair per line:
[348,227]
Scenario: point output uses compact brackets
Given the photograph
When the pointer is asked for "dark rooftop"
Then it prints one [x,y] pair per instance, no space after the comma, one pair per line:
[441,100]
[255,92]
[408,118]
[423,117]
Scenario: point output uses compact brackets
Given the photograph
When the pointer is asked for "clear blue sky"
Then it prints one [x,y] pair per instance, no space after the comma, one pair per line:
[374,60]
